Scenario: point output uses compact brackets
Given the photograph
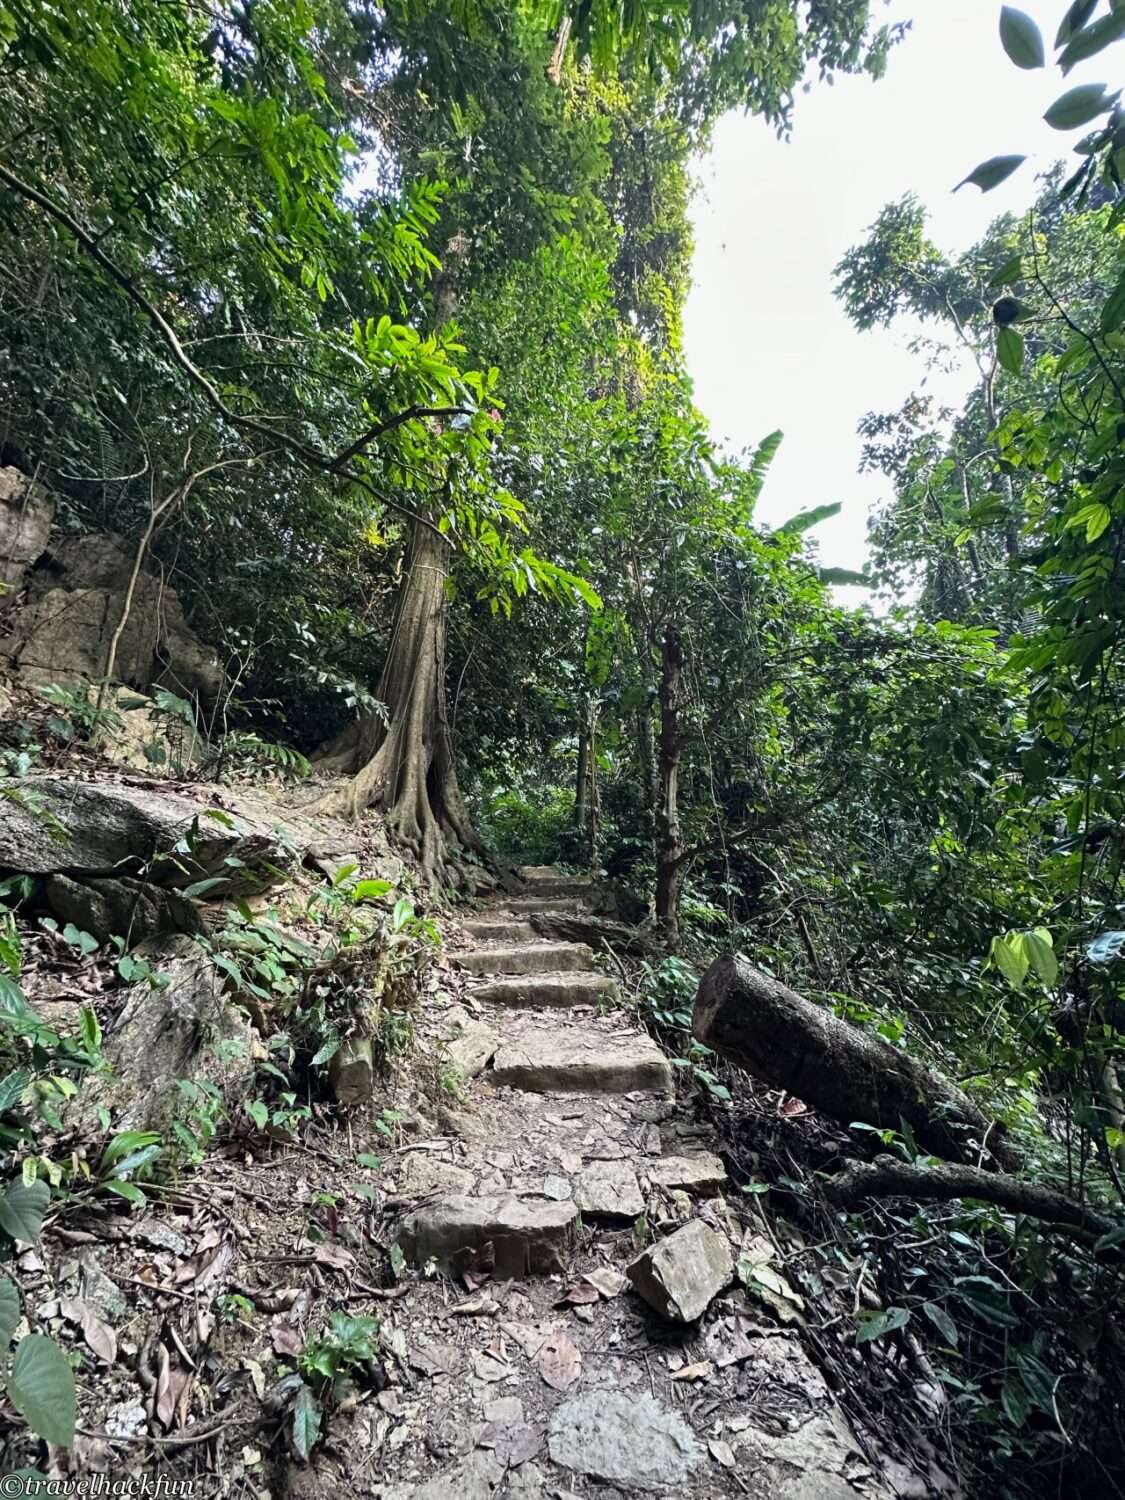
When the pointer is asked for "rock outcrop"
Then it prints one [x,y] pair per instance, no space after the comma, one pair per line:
[27,513]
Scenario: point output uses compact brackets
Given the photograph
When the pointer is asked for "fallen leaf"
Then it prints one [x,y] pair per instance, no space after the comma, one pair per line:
[434,1359]
[698,1371]
[483,1306]
[98,1335]
[559,1361]
[285,1339]
[257,1376]
[334,1256]
[722,1453]
[729,1340]
[608,1282]
[582,1292]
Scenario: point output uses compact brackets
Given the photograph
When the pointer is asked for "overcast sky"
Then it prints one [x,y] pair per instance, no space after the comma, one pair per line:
[767,345]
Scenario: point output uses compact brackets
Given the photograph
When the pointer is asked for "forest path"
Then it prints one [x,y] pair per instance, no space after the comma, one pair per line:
[565,1175]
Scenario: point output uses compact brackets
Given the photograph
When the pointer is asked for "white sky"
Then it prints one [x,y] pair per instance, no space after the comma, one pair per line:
[766,342]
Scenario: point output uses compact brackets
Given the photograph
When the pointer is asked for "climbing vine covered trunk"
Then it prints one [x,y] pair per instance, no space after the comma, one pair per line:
[403,765]
[671,857]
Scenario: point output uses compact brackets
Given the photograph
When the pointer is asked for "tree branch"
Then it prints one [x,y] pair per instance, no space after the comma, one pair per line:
[887,1177]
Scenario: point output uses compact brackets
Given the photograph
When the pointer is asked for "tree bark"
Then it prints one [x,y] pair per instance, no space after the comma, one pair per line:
[792,1044]
[670,855]
[404,766]
[887,1177]
[582,781]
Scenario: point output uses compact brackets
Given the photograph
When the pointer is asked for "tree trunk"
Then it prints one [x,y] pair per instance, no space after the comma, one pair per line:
[843,1072]
[405,766]
[582,781]
[670,854]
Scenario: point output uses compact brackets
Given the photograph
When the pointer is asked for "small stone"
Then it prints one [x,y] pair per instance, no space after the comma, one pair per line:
[694,1174]
[504,1409]
[557,1188]
[126,1420]
[627,1440]
[681,1274]
[609,1190]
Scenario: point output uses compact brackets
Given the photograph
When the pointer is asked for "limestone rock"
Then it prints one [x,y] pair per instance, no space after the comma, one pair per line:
[76,597]
[422,1174]
[576,1060]
[485,930]
[26,515]
[609,1190]
[681,1274]
[696,1174]
[627,1440]
[105,826]
[186,1030]
[469,1044]
[120,906]
[525,1236]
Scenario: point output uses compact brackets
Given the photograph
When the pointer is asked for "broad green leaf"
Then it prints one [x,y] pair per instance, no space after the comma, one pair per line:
[1009,957]
[12,1089]
[1093,39]
[258,1112]
[306,1423]
[23,1207]
[1014,1400]
[201,887]
[1021,38]
[839,577]
[1078,106]
[1009,350]
[942,1322]
[89,1029]
[1113,313]
[41,1388]
[992,173]
[1011,271]
[9,1313]
[371,890]
[14,1007]
[1075,18]
[1039,947]
[126,1142]
[881,1323]
[127,1190]
[805,520]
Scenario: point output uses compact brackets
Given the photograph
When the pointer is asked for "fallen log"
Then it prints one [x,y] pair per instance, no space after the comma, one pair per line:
[845,1073]
[887,1177]
[598,932]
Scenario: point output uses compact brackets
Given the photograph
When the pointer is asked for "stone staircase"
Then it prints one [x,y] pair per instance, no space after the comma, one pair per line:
[568,1098]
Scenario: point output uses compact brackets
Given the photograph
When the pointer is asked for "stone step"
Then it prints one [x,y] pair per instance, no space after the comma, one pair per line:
[520,904]
[525,992]
[577,1060]
[489,930]
[537,874]
[528,958]
[521,1235]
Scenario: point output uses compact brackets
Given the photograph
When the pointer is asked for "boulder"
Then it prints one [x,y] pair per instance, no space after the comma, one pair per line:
[682,1274]
[121,906]
[185,1031]
[627,1440]
[517,1236]
[108,829]
[27,513]
[76,595]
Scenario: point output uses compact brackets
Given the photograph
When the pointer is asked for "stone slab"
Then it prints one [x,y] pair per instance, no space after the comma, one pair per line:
[557,991]
[627,1440]
[535,957]
[609,1190]
[571,1060]
[526,1236]
[695,1174]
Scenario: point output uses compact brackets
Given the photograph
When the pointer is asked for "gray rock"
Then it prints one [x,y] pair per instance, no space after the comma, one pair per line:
[528,958]
[97,828]
[185,1031]
[484,930]
[77,594]
[26,515]
[609,1190]
[696,1174]
[474,1478]
[681,1274]
[560,991]
[525,1236]
[120,907]
[574,1060]
[471,1044]
[628,1440]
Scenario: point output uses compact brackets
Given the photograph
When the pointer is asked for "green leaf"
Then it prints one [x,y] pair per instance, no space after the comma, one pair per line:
[9,1313]
[1014,1400]
[805,520]
[127,1190]
[1113,313]
[12,1089]
[89,1029]
[201,887]
[1093,39]
[992,173]
[942,1322]
[1078,106]
[306,1423]
[1011,271]
[838,577]
[1074,20]
[14,1007]
[85,941]
[23,1208]
[41,1388]
[1040,949]
[1010,957]
[1009,350]
[371,890]
[124,1144]
[366,1159]
[1021,38]
[877,1325]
